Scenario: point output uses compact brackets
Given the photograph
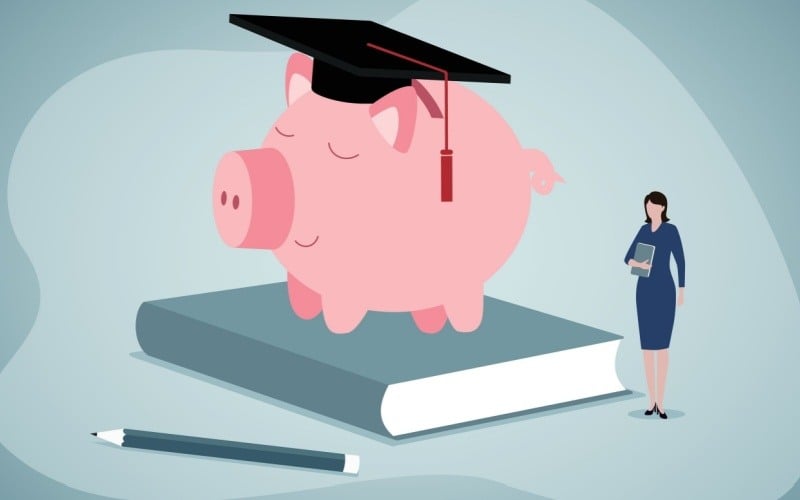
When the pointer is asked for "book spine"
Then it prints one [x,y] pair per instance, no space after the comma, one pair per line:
[260,367]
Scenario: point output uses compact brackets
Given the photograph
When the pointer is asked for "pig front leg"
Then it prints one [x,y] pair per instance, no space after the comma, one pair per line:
[341,314]
[305,302]
[465,309]
[430,320]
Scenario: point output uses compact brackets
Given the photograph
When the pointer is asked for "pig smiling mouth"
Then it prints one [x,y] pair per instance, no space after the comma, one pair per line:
[309,245]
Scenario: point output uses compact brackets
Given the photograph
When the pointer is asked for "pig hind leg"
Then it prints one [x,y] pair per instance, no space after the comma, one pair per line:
[465,309]
[341,315]
[305,302]
[430,320]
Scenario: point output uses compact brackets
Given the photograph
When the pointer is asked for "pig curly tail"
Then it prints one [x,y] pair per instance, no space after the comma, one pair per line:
[544,175]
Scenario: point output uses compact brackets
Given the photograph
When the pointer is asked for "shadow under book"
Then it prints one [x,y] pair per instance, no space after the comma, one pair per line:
[386,376]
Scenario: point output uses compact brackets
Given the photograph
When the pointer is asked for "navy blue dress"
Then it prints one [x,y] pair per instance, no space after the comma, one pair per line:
[655,295]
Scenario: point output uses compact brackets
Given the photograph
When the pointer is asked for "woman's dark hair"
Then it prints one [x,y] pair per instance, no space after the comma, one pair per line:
[657,199]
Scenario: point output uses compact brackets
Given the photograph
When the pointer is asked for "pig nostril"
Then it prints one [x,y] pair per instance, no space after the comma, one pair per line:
[224,198]
[235,202]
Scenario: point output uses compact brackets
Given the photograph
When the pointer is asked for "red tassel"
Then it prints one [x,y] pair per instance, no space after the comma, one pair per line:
[447,175]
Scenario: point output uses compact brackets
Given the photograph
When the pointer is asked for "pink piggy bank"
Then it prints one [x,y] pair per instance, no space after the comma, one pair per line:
[347,195]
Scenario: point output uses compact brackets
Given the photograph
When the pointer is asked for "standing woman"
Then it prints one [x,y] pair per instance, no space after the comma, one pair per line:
[655,295]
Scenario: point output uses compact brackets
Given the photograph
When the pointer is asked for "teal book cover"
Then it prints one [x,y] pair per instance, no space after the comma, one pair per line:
[386,376]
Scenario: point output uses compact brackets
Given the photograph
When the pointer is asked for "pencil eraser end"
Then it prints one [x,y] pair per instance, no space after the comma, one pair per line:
[351,464]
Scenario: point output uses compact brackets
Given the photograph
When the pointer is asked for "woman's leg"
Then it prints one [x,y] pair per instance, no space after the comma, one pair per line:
[663,365]
[650,373]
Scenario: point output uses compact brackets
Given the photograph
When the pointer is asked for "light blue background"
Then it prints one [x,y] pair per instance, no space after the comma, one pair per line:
[720,369]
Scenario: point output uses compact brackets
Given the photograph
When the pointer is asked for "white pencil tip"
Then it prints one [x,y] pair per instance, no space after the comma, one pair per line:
[116,436]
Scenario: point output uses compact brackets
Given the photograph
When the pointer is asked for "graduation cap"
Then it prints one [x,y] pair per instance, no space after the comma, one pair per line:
[360,61]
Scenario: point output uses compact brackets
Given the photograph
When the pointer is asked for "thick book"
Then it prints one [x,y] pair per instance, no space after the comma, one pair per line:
[644,252]
[386,376]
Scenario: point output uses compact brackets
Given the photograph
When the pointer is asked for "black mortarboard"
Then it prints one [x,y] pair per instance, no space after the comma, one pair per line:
[347,69]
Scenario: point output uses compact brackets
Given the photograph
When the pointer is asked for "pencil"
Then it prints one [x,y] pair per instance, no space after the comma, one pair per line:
[174,443]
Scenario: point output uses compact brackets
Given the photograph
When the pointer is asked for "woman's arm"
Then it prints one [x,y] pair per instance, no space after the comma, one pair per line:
[629,256]
[677,252]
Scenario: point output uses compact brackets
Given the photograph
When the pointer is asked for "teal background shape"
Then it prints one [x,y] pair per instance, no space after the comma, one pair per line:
[706,47]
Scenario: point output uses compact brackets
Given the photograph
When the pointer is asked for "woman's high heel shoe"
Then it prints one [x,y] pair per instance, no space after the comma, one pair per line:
[651,410]
[661,413]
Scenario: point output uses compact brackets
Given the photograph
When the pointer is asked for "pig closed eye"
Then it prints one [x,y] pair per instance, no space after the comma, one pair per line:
[340,156]
[283,133]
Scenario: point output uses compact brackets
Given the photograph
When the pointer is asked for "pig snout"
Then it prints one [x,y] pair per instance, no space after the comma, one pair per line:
[253,198]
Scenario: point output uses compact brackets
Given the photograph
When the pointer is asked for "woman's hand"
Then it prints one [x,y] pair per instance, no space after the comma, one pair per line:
[642,265]
[680,296]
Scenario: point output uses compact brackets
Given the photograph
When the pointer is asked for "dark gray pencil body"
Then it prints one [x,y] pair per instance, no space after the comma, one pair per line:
[311,459]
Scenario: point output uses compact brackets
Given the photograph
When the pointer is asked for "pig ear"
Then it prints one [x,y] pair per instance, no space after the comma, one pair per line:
[298,77]
[395,116]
